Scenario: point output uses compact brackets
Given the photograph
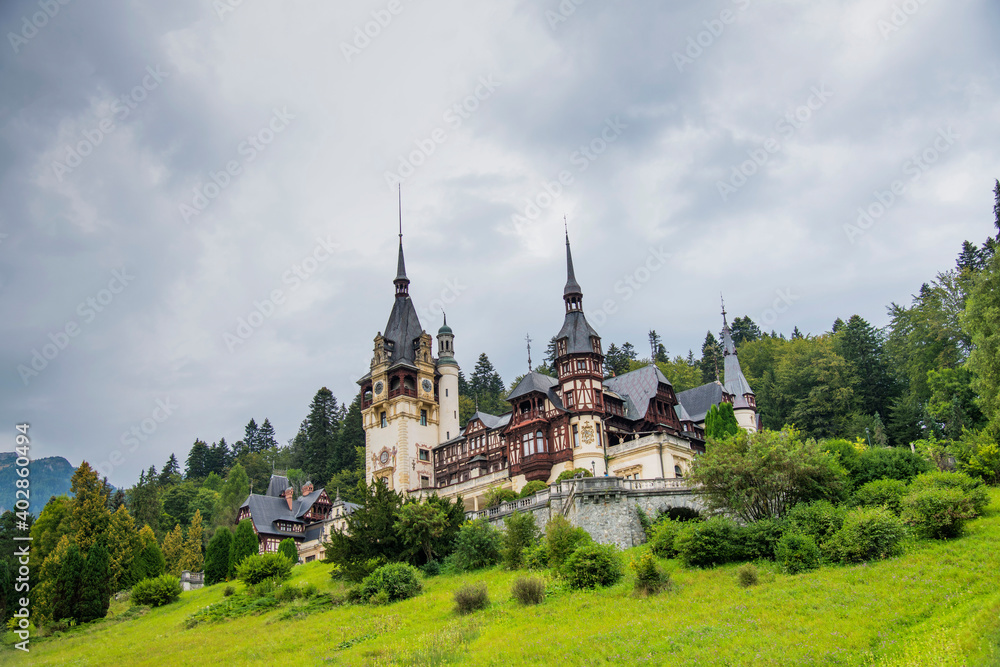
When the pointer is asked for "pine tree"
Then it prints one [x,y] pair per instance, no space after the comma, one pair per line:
[350,436]
[95,584]
[171,473]
[217,556]
[149,562]
[288,549]
[656,347]
[250,436]
[197,464]
[173,550]
[313,454]
[711,359]
[192,559]
[124,545]
[744,330]
[245,544]
[550,358]
[487,386]
[219,458]
[144,501]
[52,524]
[46,593]
[67,591]
[265,437]
[235,491]
[89,515]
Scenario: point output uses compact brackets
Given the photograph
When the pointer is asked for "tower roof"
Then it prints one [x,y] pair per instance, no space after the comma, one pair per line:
[401,264]
[736,382]
[445,329]
[575,328]
[572,286]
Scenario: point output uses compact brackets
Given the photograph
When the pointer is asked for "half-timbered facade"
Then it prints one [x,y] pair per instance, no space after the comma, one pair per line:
[279,515]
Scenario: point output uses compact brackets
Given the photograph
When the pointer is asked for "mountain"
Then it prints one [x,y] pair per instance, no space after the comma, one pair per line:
[49,477]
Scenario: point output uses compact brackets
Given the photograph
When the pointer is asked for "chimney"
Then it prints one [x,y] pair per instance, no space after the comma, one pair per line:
[288,497]
[307,488]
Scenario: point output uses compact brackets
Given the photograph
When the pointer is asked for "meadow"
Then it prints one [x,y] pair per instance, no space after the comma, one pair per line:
[938,604]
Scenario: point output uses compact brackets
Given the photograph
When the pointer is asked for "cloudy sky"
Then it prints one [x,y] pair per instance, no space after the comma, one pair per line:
[198,220]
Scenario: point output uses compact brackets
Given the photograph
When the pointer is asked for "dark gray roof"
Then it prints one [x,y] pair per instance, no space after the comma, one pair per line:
[400,264]
[572,287]
[277,485]
[491,421]
[265,510]
[736,382]
[637,388]
[403,329]
[302,504]
[699,400]
[533,381]
[578,332]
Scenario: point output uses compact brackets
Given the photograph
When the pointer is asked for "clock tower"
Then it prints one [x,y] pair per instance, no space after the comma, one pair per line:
[400,397]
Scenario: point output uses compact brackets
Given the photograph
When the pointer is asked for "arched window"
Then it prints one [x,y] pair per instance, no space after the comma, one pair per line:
[539,441]
[526,444]
[393,384]
[677,472]
[408,383]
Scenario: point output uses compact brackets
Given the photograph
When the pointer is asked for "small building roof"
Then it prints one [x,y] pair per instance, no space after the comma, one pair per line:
[637,388]
[699,400]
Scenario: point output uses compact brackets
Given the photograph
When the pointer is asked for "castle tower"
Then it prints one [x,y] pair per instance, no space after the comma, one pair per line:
[447,384]
[744,401]
[400,397]
[580,370]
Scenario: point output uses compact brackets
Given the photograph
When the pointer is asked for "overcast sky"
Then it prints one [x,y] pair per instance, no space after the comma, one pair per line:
[172,169]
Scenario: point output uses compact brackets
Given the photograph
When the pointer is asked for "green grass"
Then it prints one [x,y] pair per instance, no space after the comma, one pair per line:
[939,604]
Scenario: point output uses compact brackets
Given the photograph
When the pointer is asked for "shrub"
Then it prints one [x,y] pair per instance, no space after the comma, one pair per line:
[677,514]
[760,538]
[819,520]
[531,488]
[570,474]
[537,557]
[229,590]
[263,589]
[157,591]
[470,598]
[288,549]
[797,553]
[431,568]
[563,539]
[971,487]
[593,565]
[708,543]
[389,583]
[258,567]
[886,493]
[887,463]
[868,533]
[938,513]
[520,533]
[528,590]
[498,495]
[288,594]
[664,536]
[747,575]
[650,578]
[477,546]
[309,590]
[644,522]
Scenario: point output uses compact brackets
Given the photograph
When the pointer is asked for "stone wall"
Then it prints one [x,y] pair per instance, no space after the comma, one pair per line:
[603,506]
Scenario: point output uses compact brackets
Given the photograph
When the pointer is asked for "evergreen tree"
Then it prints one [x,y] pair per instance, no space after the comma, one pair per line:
[192,559]
[744,330]
[235,491]
[981,322]
[550,358]
[177,502]
[487,387]
[219,458]
[862,346]
[288,549]
[250,436]
[720,422]
[217,556]
[350,436]
[265,437]
[46,593]
[197,465]
[314,452]
[67,590]
[656,348]
[171,473]
[116,500]
[245,543]
[95,584]
[618,359]
[371,532]
[52,524]
[796,334]
[124,545]
[711,359]
[213,482]
[149,562]
[143,500]
[89,515]
[173,550]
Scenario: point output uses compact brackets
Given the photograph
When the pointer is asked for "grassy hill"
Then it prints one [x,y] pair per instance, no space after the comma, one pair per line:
[937,605]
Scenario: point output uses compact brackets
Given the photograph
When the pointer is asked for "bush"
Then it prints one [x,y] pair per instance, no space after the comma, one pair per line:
[537,557]
[477,546]
[761,538]
[650,578]
[747,575]
[677,514]
[528,590]
[868,533]
[570,474]
[498,495]
[309,590]
[470,598]
[389,583]
[593,565]
[563,539]
[797,553]
[531,488]
[288,594]
[938,513]
[819,520]
[157,591]
[258,567]
[265,588]
[708,543]
[664,536]
[520,533]
[971,487]
[229,590]
[887,463]
[288,549]
[431,568]
[886,493]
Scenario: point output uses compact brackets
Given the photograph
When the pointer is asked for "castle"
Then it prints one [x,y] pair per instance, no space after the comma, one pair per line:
[632,426]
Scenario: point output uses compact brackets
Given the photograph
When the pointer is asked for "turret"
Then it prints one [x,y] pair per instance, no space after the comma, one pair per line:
[448,383]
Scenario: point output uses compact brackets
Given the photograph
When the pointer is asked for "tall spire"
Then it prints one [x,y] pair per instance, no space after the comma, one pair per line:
[572,293]
[728,347]
[401,282]
[527,338]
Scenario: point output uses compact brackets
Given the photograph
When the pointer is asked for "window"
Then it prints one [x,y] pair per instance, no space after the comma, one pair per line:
[600,440]
[565,368]
[424,455]
[581,365]
[425,481]
[447,435]
[384,424]
[576,436]
[678,472]
[423,418]
[539,441]
[446,391]
[569,398]
[526,444]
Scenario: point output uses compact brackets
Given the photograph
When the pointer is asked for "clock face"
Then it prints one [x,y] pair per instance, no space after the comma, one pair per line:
[426,384]
[378,387]
[384,458]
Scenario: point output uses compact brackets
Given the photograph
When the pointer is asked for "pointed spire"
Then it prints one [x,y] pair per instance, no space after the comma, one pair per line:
[401,281]
[527,338]
[728,347]
[572,293]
